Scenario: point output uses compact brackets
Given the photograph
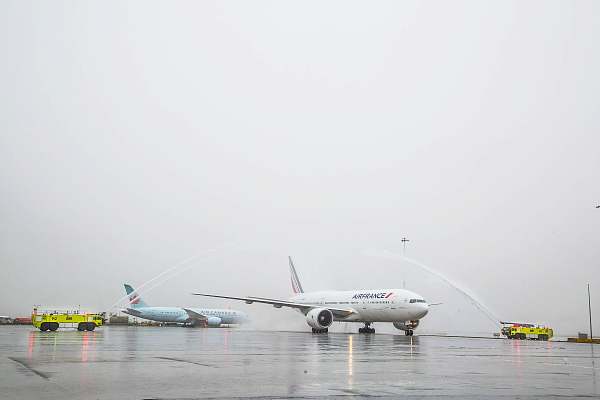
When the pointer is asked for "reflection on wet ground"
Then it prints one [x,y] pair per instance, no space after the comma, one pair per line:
[153,362]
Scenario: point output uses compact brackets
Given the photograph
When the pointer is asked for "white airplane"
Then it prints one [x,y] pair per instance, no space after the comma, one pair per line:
[399,306]
[191,316]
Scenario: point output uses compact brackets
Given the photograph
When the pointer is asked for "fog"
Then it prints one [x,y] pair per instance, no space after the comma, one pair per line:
[138,135]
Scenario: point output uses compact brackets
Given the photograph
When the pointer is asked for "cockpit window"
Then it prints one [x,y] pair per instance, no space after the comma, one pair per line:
[417,301]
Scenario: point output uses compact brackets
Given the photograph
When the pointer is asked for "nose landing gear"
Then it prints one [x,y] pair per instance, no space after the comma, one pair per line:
[408,332]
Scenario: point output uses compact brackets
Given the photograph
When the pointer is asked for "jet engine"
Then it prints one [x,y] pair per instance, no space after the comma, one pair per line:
[213,321]
[407,325]
[210,321]
[319,318]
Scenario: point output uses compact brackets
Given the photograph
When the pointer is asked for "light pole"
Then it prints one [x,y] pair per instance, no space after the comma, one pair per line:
[590,311]
[404,240]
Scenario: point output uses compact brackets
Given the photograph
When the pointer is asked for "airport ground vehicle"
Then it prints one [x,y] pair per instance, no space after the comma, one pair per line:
[526,331]
[21,321]
[52,320]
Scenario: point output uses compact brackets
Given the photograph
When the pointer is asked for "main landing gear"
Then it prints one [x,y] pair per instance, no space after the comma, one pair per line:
[320,330]
[367,328]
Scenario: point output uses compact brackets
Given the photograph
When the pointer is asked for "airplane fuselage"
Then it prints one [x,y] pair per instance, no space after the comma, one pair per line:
[385,305]
[179,315]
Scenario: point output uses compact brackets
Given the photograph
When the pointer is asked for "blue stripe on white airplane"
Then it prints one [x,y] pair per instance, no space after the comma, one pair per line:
[296,286]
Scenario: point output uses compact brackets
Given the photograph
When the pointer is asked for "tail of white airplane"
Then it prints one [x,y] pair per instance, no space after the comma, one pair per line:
[134,299]
[296,286]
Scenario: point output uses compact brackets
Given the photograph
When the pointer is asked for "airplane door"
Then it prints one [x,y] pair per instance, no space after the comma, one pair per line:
[393,302]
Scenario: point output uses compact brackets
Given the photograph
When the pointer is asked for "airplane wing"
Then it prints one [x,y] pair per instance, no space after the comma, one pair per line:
[133,311]
[193,314]
[304,308]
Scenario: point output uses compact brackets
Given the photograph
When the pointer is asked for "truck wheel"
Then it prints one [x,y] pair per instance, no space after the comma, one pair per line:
[82,326]
[44,327]
[53,326]
[91,326]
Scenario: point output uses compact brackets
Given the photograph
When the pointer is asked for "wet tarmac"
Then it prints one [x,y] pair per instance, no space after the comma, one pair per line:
[173,362]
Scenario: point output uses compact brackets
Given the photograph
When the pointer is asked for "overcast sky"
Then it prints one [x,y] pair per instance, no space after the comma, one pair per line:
[137,135]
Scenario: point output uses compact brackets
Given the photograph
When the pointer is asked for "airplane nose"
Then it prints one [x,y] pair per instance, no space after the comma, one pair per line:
[420,310]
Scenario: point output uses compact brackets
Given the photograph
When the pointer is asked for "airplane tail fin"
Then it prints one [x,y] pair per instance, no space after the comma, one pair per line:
[296,286]
[134,299]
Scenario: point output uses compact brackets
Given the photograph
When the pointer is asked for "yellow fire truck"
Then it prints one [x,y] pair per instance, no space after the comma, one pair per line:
[526,331]
[52,320]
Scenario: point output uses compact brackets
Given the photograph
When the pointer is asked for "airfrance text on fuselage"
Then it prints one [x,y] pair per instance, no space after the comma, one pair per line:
[372,295]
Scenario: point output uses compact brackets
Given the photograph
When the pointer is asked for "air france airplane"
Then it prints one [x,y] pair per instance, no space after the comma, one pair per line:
[399,306]
[191,316]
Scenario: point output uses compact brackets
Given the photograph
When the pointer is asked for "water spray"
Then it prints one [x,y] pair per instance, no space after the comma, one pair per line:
[172,272]
[389,254]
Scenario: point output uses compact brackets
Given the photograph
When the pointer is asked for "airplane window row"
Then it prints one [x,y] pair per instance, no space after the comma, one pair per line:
[417,301]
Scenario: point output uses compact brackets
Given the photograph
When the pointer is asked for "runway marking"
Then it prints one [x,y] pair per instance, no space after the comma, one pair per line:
[188,362]
[29,367]
[552,363]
